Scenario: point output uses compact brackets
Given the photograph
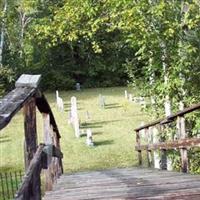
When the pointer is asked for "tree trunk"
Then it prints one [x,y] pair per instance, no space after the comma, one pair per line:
[3,33]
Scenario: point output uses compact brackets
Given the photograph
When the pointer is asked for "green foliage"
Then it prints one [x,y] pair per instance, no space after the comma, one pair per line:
[153,45]
[6,79]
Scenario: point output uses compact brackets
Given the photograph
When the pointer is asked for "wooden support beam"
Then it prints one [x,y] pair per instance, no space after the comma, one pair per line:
[48,140]
[27,80]
[148,134]
[183,151]
[139,151]
[30,187]
[178,144]
[30,130]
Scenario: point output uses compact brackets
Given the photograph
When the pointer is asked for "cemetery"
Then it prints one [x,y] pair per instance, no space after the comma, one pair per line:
[99,99]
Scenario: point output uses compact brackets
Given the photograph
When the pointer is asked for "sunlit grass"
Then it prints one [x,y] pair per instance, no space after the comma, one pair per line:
[112,127]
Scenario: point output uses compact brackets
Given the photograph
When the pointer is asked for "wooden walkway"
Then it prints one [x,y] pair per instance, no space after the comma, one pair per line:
[132,183]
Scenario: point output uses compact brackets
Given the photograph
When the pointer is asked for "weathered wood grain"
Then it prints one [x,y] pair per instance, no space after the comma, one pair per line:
[178,144]
[30,131]
[13,102]
[129,183]
[27,80]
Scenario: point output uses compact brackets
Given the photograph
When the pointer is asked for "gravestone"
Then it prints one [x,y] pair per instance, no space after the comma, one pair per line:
[89,140]
[74,116]
[70,117]
[126,94]
[142,102]
[102,101]
[130,97]
[78,86]
[59,102]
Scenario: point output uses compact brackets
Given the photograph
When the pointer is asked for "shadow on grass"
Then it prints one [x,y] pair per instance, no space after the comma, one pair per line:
[112,105]
[93,133]
[97,124]
[103,142]
[4,139]
[90,125]
[69,109]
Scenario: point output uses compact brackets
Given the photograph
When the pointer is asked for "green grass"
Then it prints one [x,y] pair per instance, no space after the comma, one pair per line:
[112,127]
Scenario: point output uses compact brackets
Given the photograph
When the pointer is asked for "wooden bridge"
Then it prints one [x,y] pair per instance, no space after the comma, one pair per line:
[132,183]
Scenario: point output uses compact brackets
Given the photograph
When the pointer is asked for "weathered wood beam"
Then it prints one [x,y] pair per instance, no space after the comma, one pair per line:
[181,113]
[149,125]
[27,80]
[28,190]
[170,118]
[139,151]
[44,107]
[183,143]
[13,102]
[30,130]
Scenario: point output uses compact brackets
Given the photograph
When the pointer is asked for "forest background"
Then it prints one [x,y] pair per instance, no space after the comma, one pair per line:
[149,44]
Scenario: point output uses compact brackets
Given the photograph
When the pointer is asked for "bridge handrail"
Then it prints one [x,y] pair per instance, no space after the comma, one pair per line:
[27,95]
[182,143]
[31,179]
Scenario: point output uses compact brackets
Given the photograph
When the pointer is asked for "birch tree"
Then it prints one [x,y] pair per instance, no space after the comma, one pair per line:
[3,27]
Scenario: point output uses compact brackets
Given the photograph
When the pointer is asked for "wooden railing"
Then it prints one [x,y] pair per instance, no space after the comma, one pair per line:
[46,156]
[157,129]
[30,187]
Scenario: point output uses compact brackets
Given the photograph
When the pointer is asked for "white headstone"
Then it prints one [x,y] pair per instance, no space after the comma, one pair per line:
[70,117]
[142,102]
[102,101]
[74,116]
[89,140]
[78,86]
[130,98]
[126,94]
[60,104]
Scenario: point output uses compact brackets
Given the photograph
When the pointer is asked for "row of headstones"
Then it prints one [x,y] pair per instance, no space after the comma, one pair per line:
[74,120]
[131,98]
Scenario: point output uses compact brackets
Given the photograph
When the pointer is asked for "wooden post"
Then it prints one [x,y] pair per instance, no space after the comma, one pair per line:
[149,140]
[30,128]
[138,144]
[182,134]
[163,153]
[30,131]
[49,177]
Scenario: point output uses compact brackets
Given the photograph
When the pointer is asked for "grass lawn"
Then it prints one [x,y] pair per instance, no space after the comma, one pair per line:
[112,129]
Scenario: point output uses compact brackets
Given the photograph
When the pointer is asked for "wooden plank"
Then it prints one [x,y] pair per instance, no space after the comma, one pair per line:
[178,144]
[181,113]
[13,102]
[27,80]
[171,117]
[30,131]
[125,184]
[30,187]
[138,143]
[48,140]
[44,107]
[183,151]
[149,124]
